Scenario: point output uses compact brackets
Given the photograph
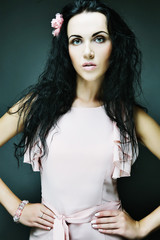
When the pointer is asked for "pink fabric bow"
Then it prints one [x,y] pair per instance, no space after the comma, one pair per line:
[57,24]
[60,230]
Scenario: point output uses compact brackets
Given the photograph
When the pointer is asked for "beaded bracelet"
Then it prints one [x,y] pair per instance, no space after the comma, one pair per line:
[19,210]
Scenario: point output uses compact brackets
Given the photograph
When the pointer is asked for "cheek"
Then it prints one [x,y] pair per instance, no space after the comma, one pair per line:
[70,54]
[106,53]
[73,56]
[108,50]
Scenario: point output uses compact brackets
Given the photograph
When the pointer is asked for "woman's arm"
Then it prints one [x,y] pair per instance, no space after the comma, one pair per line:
[150,222]
[10,125]
[147,131]
[119,222]
[31,215]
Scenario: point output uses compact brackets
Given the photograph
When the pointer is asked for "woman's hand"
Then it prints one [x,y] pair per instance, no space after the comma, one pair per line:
[37,215]
[117,223]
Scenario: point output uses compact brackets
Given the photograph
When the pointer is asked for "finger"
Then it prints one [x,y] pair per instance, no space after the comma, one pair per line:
[47,218]
[47,211]
[110,231]
[38,225]
[106,226]
[45,223]
[108,213]
[104,220]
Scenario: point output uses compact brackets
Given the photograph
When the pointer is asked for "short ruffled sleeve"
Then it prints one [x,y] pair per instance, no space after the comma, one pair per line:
[33,157]
[123,156]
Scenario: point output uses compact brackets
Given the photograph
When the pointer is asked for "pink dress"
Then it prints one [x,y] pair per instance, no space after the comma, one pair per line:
[78,176]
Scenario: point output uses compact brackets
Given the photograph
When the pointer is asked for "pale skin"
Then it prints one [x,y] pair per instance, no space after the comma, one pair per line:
[92,45]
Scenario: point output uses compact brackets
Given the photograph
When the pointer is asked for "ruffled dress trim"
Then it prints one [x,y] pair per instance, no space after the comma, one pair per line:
[33,157]
[123,155]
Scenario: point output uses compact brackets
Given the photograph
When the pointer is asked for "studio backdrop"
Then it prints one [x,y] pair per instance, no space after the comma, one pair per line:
[25,42]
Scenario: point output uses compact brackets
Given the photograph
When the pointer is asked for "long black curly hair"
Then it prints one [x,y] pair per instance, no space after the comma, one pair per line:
[54,93]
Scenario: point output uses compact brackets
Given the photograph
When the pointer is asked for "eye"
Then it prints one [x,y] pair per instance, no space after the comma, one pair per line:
[99,39]
[76,41]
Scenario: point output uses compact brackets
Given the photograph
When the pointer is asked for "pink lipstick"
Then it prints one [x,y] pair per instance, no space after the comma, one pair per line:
[89,66]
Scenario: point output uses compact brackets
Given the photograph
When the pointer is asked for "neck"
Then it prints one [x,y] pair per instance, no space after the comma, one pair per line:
[87,93]
[87,90]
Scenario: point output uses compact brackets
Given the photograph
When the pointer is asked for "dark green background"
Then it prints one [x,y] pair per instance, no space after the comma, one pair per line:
[25,37]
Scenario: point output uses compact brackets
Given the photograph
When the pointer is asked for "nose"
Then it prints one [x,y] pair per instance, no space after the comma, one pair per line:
[88,52]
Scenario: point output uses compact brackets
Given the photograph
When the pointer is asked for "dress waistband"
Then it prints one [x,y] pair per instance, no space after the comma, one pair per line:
[61,230]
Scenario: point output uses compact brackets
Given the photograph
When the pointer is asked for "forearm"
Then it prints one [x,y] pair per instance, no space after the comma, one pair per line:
[30,215]
[8,199]
[150,223]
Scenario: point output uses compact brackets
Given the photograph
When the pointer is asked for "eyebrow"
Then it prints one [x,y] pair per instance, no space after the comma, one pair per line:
[92,35]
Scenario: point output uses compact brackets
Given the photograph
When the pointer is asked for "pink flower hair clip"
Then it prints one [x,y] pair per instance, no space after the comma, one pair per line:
[57,24]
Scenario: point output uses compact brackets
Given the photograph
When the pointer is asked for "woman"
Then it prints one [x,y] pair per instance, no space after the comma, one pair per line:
[80,127]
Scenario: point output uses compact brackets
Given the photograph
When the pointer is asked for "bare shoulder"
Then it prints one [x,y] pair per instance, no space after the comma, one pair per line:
[147,130]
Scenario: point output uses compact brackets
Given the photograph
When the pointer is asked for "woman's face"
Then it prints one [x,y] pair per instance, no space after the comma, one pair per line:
[89,45]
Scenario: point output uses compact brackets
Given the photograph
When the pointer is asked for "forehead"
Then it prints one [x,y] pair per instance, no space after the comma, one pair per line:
[87,23]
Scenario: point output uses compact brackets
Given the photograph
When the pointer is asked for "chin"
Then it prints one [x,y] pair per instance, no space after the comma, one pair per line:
[91,78]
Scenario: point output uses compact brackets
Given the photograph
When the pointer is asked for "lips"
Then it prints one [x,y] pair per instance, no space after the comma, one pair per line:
[89,66]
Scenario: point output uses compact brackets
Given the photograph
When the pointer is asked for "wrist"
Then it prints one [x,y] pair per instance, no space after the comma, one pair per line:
[19,210]
[143,229]
[12,209]
[149,223]
[139,234]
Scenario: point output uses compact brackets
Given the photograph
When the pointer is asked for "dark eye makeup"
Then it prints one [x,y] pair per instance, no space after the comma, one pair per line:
[97,39]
